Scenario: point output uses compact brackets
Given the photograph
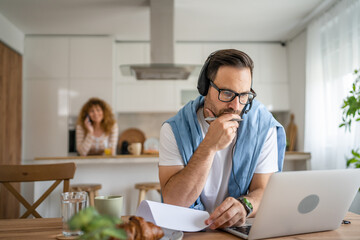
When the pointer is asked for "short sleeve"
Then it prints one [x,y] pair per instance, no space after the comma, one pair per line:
[169,154]
[268,159]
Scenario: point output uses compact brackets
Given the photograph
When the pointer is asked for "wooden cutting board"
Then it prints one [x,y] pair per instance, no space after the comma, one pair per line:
[132,135]
[291,134]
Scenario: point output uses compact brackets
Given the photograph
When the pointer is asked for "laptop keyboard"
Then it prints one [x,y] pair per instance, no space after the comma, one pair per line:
[243,229]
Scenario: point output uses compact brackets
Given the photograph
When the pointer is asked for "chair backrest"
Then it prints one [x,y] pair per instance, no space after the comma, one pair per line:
[33,173]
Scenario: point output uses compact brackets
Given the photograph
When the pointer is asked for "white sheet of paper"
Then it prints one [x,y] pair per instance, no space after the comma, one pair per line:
[172,217]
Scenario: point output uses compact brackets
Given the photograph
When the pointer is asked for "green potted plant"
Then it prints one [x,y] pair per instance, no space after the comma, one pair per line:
[351,114]
[96,226]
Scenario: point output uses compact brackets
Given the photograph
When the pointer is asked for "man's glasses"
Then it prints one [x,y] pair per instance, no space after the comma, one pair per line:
[226,95]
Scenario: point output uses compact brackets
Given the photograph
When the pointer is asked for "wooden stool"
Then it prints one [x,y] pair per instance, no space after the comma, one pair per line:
[91,189]
[145,187]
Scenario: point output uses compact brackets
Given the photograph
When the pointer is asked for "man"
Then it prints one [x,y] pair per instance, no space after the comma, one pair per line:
[216,154]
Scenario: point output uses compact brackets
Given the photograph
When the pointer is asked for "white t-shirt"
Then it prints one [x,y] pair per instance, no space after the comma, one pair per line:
[216,186]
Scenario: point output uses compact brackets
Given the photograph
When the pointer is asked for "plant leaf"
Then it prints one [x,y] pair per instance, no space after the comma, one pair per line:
[356,154]
[351,161]
[115,232]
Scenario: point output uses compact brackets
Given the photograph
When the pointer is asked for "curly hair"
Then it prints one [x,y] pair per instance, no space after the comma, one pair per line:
[108,121]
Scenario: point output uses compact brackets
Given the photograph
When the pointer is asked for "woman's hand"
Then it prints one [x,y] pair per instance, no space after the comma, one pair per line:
[88,125]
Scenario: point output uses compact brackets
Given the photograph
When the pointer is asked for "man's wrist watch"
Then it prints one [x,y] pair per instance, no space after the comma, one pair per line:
[247,205]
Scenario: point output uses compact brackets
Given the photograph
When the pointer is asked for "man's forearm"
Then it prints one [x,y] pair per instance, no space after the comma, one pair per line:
[255,198]
[185,187]
[256,191]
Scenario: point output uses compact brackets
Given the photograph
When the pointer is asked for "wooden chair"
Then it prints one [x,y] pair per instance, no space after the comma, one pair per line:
[145,187]
[33,173]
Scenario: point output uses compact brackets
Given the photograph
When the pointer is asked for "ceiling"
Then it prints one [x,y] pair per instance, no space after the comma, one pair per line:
[195,20]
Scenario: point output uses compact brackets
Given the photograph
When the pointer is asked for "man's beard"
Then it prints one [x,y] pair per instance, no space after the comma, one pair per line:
[228,110]
[208,104]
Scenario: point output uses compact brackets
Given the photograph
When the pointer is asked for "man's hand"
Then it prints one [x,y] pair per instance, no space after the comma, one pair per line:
[221,131]
[230,212]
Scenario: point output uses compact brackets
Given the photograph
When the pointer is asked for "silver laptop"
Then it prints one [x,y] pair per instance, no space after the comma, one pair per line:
[302,202]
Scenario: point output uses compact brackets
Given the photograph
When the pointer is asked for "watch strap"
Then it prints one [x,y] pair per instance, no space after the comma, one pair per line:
[247,205]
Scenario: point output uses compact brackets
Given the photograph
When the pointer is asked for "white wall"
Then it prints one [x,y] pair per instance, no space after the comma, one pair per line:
[11,35]
[297,76]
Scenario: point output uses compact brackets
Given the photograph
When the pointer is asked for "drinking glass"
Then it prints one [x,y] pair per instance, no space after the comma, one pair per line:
[108,149]
[72,203]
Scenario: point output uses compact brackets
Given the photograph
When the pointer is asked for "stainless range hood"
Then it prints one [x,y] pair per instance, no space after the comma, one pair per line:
[162,47]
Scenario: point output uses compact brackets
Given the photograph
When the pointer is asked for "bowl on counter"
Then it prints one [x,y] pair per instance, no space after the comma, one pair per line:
[151,146]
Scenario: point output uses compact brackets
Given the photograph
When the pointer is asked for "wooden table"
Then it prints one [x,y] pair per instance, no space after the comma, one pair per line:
[49,228]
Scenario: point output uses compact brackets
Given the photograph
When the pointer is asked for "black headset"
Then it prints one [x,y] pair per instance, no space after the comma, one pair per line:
[204,83]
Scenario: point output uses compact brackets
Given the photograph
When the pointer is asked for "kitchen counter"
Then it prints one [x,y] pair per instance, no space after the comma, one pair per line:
[118,175]
[297,156]
[118,159]
[144,158]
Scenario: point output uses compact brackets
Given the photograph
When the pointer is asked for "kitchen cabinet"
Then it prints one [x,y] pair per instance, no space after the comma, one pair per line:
[91,58]
[140,95]
[273,95]
[273,63]
[60,75]
[269,75]
[149,96]
[272,85]
[189,53]
[90,71]
[45,118]
[186,90]
[46,58]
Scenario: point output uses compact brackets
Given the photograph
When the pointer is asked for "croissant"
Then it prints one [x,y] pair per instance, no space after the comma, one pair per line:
[139,229]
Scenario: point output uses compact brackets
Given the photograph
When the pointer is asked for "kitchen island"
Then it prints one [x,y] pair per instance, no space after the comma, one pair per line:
[118,175]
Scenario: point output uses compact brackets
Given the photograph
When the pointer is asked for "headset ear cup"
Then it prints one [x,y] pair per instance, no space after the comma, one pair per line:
[203,81]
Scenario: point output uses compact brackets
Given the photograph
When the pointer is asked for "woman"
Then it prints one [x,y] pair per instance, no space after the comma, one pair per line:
[96,129]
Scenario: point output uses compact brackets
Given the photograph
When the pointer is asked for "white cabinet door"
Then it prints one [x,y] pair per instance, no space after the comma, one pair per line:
[91,70]
[133,53]
[45,118]
[189,53]
[275,96]
[149,96]
[273,87]
[140,95]
[91,57]
[273,63]
[80,91]
[46,57]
